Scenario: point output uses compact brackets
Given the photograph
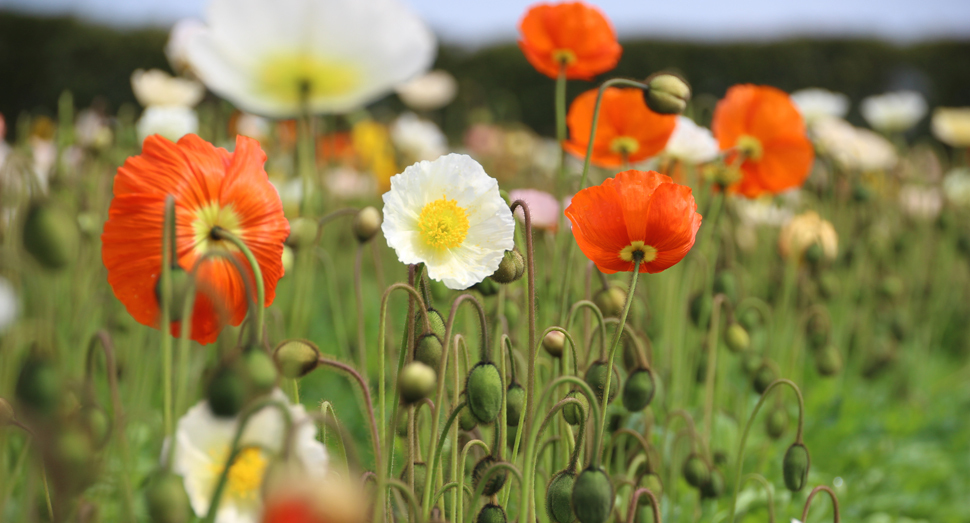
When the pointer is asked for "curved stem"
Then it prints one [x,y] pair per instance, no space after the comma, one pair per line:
[635,435]
[436,456]
[461,474]
[831,493]
[758,478]
[635,502]
[569,338]
[258,313]
[349,211]
[587,304]
[408,493]
[487,475]
[445,488]
[359,295]
[712,343]
[367,400]
[531,270]
[168,235]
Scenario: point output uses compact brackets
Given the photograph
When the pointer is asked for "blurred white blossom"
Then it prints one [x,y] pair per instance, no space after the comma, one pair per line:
[347,183]
[157,88]
[894,112]
[853,147]
[805,230]
[252,126]
[921,202]
[176,49]
[762,211]
[956,187]
[691,143]
[418,139]
[815,103]
[951,125]
[172,122]
[433,90]
[91,129]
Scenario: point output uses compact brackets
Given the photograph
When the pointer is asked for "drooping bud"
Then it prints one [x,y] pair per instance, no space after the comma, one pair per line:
[483,387]
[303,233]
[514,403]
[573,413]
[416,382]
[38,386]
[510,268]
[596,378]
[95,420]
[260,369]
[50,235]
[828,362]
[554,342]
[776,422]
[226,392]
[651,481]
[736,338]
[667,93]
[610,301]
[492,513]
[180,282]
[638,390]
[166,499]
[428,350]
[795,467]
[763,378]
[466,420]
[367,223]
[435,320]
[814,253]
[287,259]
[296,358]
[593,496]
[559,495]
[696,471]
[7,414]
[714,488]
[495,482]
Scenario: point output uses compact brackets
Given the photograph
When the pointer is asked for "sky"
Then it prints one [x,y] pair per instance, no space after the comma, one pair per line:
[479,22]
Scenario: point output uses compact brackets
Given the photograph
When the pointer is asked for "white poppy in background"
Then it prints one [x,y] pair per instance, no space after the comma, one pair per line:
[762,211]
[815,103]
[956,187]
[252,126]
[805,230]
[327,56]
[951,125]
[921,202]
[202,445]
[176,49]
[543,208]
[853,147]
[449,215]
[8,304]
[691,143]
[172,122]
[428,92]
[155,88]
[418,139]
[894,112]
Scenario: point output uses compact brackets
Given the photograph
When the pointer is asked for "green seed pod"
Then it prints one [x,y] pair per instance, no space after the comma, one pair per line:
[98,425]
[166,499]
[559,495]
[763,378]
[720,458]
[638,390]
[554,342]
[751,361]
[180,281]
[416,382]
[261,370]
[514,403]
[714,488]
[571,412]
[487,287]
[610,301]
[495,482]
[7,414]
[651,481]
[428,350]
[492,514]
[367,223]
[296,358]
[50,235]
[776,423]
[466,420]
[701,306]
[38,386]
[484,389]
[736,338]
[828,362]
[510,268]
[303,233]
[593,496]
[420,476]
[596,378]
[667,93]
[696,471]
[726,284]
[795,467]
[226,392]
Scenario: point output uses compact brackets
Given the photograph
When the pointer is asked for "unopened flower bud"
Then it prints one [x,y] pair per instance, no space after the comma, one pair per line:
[696,471]
[651,481]
[97,424]
[180,281]
[667,93]
[714,488]
[828,362]
[554,342]
[7,414]
[514,404]
[763,378]
[261,370]
[287,259]
[50,235]
[38,386]
[303,233]
[367,223]
[435,320]
[166,499]
[492,513]
[428,350]
[416,382]
[593,496]
[814,253]
[483,388]
[226,392]
[777,422]
[795,467]
[610,301]
[495,481]
[596,378]
[736,338]
[510,268]
[466,420]
[296,358]
[420,477]
[573,413]
[638,390]
[559,495]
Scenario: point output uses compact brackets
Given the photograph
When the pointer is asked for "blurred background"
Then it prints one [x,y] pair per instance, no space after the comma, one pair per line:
[856,47]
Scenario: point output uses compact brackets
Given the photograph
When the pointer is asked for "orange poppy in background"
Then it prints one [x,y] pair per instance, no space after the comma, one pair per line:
[212,187]
[763,124]
[571,34]
[627,128]
[635,213]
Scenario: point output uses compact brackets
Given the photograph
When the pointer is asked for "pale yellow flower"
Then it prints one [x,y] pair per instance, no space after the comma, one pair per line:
[156,88]
[805,230]
[952,125]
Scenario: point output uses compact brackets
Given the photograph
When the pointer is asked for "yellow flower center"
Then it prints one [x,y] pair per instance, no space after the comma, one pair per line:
[648,253]
[625,145]
[291,77]
[245,477]
[750,147]
[209,217]
[443,224]
[564,56]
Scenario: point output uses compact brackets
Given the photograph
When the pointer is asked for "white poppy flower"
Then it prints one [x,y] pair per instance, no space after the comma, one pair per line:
[418,139]
[762,211]
[951,125]
[920,202]
[176,49]
[815,103]
[448,214]
[428,92]
[158,88]
[172,122]
[894,112]
[691,143]
[202,444]
[956,187]
[252,126]
[8,304]
[852,147]
[270,58]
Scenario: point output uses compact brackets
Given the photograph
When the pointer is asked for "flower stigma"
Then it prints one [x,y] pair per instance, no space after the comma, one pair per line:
[564,57]
[208,218]
[647,253]
[245,477]
[625,145]
[443,224]
[750,147]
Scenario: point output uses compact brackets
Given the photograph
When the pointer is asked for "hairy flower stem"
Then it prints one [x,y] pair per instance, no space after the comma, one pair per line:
[709,384]
[306,158]
[811,495]
[635,502]
[257,314]
[533,348]
[359,294]
[769,496]
[369,405]
[561,122]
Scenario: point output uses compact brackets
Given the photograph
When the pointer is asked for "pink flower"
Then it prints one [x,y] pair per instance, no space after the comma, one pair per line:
[542,206]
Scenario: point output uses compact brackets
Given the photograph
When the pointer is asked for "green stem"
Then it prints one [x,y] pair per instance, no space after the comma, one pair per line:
[758,478]
[408,493]
[306,154]
[257,315]
[436,457]
[461,473]
[561,121]
[487,475]
[168,231]
[635,502]
[709,382]
[367,400]
[811,495]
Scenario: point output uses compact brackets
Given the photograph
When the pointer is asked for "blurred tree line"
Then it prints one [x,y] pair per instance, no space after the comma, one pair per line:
[41,57]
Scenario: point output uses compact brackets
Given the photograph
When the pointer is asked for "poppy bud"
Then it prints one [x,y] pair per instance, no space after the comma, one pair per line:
[828,362]
[573,413]
[596,378]
[514,403]
[714,488]
[638,390]
[435,320]
[651,481]
[763,377]
[487,287]
[751,361]
[701,306]
[428,350]
[296,358]
[554,342]
[226,392]
[593,496]
[492,513]
[696,471]
[97,424]
[630,354]
[483,387]
[510,269]
[777,422]
[495,482]
[667,93]
[38,386]
[260,369]
[287,259]
[303,233]
[559,495]
[466,420]
[726,284]
[795,467]
[50,235]
[610,301]
[416,382]
[180,280]
[736,338]
[420,476]
[367,223]
[166,499]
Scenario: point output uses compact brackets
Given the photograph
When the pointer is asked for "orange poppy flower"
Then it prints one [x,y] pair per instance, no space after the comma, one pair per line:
[573,34]
[212,187]
[626,127]
[762,123]
[637,211]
